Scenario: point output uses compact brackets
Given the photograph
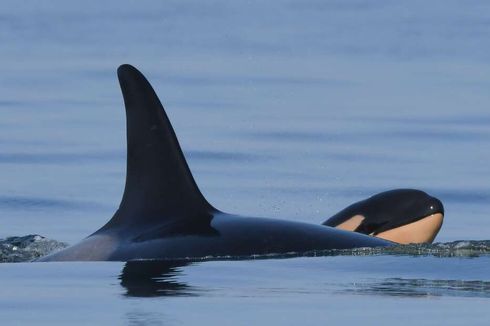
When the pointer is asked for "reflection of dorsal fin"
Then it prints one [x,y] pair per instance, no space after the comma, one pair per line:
[159,184]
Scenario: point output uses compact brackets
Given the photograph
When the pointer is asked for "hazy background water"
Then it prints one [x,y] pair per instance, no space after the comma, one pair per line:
[288,109]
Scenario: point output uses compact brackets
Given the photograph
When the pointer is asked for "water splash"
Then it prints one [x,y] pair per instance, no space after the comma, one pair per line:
[27,248]
[31,247]
[461,248]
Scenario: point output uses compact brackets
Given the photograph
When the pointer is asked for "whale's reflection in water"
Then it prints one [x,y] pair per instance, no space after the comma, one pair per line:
[176,278]
[154,278]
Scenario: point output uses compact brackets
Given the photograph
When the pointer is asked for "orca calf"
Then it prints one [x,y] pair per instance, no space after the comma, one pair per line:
[163,215]
[400,215]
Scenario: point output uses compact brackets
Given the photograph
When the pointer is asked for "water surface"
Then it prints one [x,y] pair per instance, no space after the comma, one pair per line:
[287,109]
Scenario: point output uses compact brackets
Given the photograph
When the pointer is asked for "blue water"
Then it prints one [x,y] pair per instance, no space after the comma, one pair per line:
[314,290]
[287,109]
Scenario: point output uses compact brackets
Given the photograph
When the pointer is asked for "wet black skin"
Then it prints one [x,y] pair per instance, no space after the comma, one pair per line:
[389,210]
[164,215]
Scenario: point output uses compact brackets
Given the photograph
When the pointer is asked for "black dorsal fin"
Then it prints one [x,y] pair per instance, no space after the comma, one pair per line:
[159,184]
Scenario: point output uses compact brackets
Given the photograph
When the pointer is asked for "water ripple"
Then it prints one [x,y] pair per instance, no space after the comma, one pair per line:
[402,287]
[224,156]
[58,158]
[36,203]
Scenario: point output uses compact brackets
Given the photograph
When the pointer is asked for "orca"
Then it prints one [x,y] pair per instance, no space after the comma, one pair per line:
[163,214]
[400,215]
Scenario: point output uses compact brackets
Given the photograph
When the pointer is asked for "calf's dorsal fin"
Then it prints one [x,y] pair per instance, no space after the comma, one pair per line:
[159,184]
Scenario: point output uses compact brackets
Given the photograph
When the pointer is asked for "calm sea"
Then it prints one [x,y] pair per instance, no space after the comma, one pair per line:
[285,109]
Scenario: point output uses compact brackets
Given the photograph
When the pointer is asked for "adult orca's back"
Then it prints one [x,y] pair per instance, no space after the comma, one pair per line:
[164,215]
